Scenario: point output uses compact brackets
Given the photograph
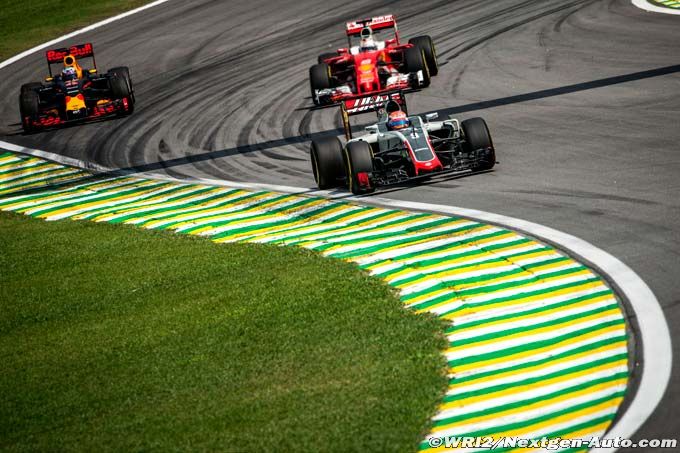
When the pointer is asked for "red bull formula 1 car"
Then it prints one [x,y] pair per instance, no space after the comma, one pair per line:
[399,147]
[371,66]
[75,93]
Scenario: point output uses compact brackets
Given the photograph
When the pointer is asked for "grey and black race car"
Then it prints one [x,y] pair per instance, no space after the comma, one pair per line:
[399,147]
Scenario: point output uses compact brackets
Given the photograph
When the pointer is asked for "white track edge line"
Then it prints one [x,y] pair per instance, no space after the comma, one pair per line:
[655,336]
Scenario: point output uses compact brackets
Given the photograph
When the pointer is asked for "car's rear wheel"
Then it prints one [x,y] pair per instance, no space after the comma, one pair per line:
[319,79]
[325,56]
[327,162]
[29,107]
[358,165]
[415,61]
[477,137]
[425,44]
[124,71]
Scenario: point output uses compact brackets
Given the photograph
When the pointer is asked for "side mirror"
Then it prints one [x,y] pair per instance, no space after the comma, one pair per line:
[455,126]
[49,79]
[342,50]
[92,71]
[373,129]
[431,116]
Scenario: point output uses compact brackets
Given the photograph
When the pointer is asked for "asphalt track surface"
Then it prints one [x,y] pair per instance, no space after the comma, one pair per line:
[582,99]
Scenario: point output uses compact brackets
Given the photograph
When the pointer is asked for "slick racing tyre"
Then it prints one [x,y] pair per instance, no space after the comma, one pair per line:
[325,56]
[358,163]
[319,79]
[477,136]
[29,107]
[121,90]
[124,71]
[327,162]
[415,61]
[31,86]
[425,44]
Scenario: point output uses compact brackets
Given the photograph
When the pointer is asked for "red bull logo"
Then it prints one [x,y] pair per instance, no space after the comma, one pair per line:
[78,51]
[75,103]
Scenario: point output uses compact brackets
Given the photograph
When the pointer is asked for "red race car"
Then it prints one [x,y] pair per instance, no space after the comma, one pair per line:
[75,93]
[370,66]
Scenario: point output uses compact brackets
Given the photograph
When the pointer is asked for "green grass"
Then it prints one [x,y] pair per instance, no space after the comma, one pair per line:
[118,339]
[26,23]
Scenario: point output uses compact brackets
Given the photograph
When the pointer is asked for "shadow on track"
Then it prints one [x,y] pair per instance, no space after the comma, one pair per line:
[568,89]
[227,152]
[599,83]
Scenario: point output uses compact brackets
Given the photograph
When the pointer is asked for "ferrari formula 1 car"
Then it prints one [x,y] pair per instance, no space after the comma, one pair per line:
[399,147]
[371,66]
[75,93]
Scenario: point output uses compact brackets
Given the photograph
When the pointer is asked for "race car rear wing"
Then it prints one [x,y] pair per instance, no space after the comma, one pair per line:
[77,52]
[376,23]
[380,103]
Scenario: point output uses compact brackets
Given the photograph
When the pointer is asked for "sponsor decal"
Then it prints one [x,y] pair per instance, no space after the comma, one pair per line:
[375,22]
[369,103]
[78,51]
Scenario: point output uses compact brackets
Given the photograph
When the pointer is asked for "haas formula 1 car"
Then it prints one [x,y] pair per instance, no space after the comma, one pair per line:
[399,147]
[75,93]
[372,66]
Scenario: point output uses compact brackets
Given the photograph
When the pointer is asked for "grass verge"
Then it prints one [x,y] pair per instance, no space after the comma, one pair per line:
[27,23]
[119,339]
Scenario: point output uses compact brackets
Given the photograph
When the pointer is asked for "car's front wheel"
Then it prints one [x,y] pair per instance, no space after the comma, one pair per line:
[319,79]
[414,58]
[124,72]
[120,89]
[358,166]
[29,107]
[478,137]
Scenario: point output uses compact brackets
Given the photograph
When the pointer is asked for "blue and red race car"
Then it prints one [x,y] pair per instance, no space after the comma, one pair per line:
[75,93]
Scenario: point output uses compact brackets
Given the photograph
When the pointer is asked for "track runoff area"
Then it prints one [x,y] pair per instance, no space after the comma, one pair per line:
[537,341]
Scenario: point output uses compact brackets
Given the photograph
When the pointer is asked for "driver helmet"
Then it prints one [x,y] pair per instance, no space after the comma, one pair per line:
[367,42]
[69,73]
[397,120]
